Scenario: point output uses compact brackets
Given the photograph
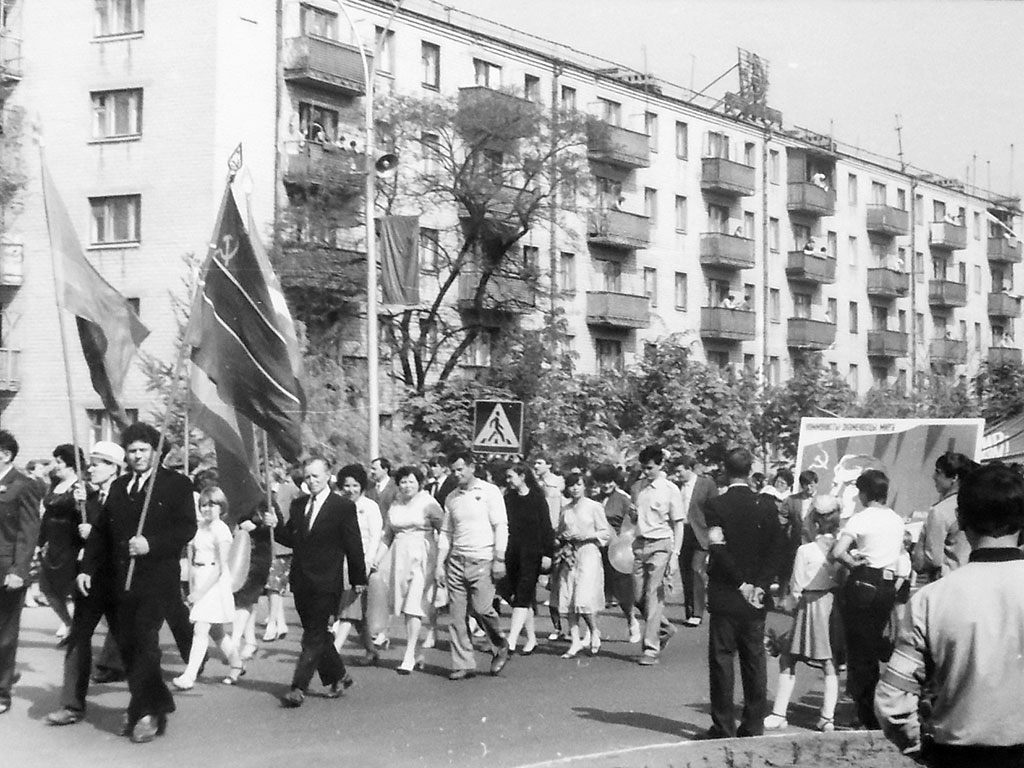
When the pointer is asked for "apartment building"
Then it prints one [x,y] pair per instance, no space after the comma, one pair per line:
[754,246]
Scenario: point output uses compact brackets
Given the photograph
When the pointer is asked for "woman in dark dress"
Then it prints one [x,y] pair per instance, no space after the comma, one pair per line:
[59,541]
[531,542]
[260,556]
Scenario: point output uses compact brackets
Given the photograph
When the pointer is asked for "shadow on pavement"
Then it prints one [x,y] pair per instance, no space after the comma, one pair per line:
[639,720]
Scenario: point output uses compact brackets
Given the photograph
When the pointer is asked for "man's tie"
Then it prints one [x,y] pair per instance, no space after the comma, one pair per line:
[309,514]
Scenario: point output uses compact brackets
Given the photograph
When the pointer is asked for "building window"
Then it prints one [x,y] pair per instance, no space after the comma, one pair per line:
[531,262]
[718,219]
[938,210]
[118,17]
[832,238]
[651,205]
[749,224]
[682,140]
[750,363]
[430,249]
[486,74]
[831,311]
[609,355]
[854,323]
[318,22]
[853,379]
[918,266]
[774,305]
[102,427]
[681,213]
[568,98]
[802,305]
[651,285]
[977,279]
[977,226]
[877,193]
[318,123]
[774,172]
[717,145]
[851,188]
[977,335]
[901,199]
[773,235]
[749,298]
[480,350]
[963,330]
[681,291]
[774,371]
[117,114]
[115,220]
[853,246]
[879,375]
[879,318]
[385,43]
[431,144]
[651,129]
[430,61]
[611,274]
[962,271]
[919,209]
[611,111]
[567,272]
[748,154]
[718,358]
[531,87]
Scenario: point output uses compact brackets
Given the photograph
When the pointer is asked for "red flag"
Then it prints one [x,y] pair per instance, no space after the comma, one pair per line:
[108,327]
[400,261]
[240,338]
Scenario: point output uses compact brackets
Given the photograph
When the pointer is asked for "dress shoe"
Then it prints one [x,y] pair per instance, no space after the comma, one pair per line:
[103,676]
[528,648]
[147,729]
[5,706]
[340,687]
[499,659]
[461,674]
[693,621]
[647,660]
[183,682]
[293,698]
[64,716]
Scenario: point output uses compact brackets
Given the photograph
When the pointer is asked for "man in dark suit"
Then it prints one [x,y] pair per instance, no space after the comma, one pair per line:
[323,532]
[697,490]
[19,529]
[115,543]
[745,545]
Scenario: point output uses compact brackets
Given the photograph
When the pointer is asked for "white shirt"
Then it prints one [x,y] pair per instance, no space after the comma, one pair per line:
[877,533]
[317,502]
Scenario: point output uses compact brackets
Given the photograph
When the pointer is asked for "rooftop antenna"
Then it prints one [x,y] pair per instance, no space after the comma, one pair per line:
[899,141]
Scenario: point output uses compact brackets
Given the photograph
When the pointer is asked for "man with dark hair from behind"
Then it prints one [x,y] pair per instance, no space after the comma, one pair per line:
[961,641]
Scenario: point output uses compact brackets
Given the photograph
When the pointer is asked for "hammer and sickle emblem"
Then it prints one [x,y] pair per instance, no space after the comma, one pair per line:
[228,249]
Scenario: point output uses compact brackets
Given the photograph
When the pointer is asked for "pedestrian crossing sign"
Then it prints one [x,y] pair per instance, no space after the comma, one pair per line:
[498,426]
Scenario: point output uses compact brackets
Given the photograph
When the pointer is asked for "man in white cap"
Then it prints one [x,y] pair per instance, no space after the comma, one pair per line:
[106,460]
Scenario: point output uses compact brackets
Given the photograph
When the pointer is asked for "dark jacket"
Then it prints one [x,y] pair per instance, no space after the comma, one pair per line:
[704,489]
[19,523]
[170,525]
[318,554]
[751,553]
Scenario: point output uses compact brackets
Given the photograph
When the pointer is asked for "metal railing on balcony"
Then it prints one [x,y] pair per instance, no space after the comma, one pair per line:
[949,351]
[1003,249]
[727,324]
[12,264]
[325,64]
[805,197]
[717,249]
[323,164]
[804,333]
[887,283]
[618,229]
[614,145]
[945,236]
[618,310]
[10,58]
[809,268]
[502,293]
[946,293]
[1003,305]
[10,372]
[887,220]
[887,344]
[727,177]
[998,356]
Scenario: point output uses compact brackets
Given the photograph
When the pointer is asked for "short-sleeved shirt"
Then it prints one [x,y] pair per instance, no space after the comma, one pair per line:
[877,533]
[476,522]
[659,506]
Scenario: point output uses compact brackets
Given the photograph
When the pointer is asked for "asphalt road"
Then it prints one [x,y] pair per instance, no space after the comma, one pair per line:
[539,711]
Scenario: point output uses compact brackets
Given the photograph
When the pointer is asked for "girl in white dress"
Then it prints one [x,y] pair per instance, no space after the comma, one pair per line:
[210,594]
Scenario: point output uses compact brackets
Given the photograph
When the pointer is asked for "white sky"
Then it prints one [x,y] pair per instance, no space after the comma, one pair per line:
[952,69]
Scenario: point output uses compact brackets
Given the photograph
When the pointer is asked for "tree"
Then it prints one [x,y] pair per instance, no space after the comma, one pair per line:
[934,396]
[998,389]
[12,173]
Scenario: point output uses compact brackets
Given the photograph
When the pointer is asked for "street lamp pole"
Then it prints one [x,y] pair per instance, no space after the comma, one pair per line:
[372,346]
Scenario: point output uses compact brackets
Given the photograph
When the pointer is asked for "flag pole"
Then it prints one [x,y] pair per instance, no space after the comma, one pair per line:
[62,323]
[266,478]
[234,163]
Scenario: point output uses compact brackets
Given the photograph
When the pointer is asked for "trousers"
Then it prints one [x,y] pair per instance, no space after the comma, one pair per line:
[470,593]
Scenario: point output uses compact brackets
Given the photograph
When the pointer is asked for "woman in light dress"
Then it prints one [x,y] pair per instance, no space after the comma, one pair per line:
[352,482]
[209,595]
[582,530]
[410,546]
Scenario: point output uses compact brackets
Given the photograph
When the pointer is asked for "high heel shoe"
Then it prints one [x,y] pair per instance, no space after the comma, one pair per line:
[183,682]
[420,663]
[248,651]
[595,643]
[573,651]
[271,634]
[430,641]
[417,664]
[234,675]
[382,645]
[528,648]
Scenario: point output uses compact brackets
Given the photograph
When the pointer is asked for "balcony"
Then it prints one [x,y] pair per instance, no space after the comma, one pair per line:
[619,147]
[1003,305]
[618,229]
[1005,250]
[311,163]
[726,177]
[497,118]
[888,221]
[946,293]
[805,197]
[306,269]
[948,351]
[948,237]
[503,293]
[804,333]
[618,310]
[10,59]
[887,283]
[326,65]
[718,249]
[804,267]
[998,356]
[887,344]
[12,259]
[10,374]
[723,324]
